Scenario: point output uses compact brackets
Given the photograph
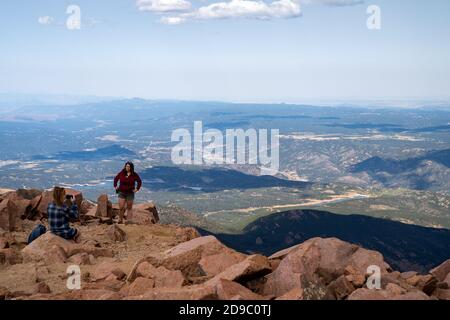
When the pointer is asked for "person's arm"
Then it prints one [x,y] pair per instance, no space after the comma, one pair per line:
[72,209]
[73,212]
[139,182]
[116,179]
[50,212]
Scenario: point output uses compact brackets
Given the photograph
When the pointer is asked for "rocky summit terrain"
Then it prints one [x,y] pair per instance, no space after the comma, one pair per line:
[147,260]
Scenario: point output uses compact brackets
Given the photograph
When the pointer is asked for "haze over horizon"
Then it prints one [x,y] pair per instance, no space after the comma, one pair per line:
[17,99]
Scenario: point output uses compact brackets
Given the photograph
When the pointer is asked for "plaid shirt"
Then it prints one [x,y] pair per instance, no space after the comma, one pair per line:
[58,218]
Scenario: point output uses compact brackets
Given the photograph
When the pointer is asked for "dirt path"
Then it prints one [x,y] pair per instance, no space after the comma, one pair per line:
[306,202]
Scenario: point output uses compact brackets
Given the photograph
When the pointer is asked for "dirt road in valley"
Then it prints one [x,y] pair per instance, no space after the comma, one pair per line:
[305,203]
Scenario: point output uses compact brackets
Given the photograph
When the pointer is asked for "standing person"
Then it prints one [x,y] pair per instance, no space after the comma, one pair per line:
[129,184]
[60,211]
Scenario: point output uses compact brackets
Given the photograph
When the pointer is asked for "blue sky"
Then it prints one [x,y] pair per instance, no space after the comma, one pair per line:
[243,50]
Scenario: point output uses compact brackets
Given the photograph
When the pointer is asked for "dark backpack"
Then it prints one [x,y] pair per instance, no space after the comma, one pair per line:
[38,231]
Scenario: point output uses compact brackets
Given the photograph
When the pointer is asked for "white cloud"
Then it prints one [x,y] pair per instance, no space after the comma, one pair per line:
[172,20]
[245,9]
[46,20]
[163,5]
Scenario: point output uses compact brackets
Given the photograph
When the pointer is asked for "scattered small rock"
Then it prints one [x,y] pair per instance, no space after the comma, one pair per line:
[116,234]
[10,256]
[230,290]
[106,269]
[42,287]
[4,293]
[138,287]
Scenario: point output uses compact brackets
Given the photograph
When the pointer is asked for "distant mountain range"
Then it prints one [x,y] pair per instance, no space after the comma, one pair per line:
[405,247]
[428,171]
[382,127]
[89,155]
[209,180]
[386,127]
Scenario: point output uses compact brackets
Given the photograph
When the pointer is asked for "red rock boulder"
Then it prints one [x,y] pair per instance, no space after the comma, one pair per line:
[145,213]
[116,234]
[387,294]
[318,262]
[10,256]
[186,256]
[252,267]
[230,290]
[107,270]
[161,276]
[9,215]
[104,207]
[441,271]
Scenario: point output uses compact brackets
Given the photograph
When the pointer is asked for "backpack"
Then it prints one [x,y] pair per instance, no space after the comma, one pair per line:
[38,231]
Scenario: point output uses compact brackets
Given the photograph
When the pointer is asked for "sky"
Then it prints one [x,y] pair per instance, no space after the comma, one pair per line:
[238,50]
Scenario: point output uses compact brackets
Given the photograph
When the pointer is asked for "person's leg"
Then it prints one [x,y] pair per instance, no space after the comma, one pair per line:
[72,234]
[122,203]
[129,210]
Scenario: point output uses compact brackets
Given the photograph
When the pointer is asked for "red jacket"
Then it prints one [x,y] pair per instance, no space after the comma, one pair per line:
[127,184]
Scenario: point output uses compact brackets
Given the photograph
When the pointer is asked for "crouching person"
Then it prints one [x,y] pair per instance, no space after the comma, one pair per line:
[60,211]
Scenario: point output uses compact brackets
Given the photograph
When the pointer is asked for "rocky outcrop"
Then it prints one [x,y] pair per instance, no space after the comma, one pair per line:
[107,271]
[161,276]
[44,200]
[10,256]
[148,261]
[139,287]
[187,256]
[319,266]
[250,268]
[115,233]
[32,204]
[230,290]
[145,213]
[441,272]
[54,249]
[104,207]
[217,263]
[316,269]
[9,216]
[391,292]
[196,292]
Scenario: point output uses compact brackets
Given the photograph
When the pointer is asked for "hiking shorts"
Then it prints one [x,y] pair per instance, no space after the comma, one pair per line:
[126,196]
